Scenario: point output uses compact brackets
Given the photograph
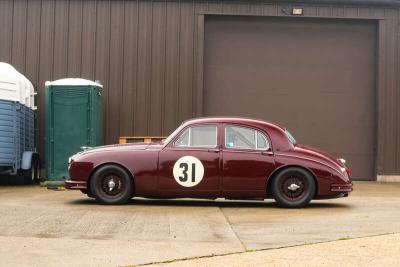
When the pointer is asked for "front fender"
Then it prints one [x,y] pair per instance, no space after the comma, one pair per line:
[141,164]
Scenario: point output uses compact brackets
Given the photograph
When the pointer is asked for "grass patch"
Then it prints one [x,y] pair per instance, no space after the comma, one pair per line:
[344,238]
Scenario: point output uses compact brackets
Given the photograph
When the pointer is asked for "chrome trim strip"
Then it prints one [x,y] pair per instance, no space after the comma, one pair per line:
[320,162]
[237,150]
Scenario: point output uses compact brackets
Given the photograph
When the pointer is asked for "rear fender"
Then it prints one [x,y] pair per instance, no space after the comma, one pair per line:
[27,158]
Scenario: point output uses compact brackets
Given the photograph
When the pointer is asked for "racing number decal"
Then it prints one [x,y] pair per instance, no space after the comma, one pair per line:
[185,167]
[188,171]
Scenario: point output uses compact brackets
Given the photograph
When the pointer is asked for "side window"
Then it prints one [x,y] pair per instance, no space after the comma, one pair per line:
[245,138]
[262,142]
[198,136]
[183,140]
[240,137]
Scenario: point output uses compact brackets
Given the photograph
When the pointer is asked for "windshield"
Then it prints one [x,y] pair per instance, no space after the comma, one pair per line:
[290,137]
[169,138]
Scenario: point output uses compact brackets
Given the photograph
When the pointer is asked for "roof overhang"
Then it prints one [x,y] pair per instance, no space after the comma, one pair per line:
[337,2]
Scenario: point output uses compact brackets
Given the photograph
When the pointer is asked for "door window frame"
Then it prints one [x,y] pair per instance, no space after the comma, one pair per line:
[263,133]
[178,135]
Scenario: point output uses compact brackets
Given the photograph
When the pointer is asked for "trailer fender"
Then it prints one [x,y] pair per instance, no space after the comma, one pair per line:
[27,157]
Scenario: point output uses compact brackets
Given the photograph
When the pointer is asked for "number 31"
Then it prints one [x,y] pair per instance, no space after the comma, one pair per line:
[185,168]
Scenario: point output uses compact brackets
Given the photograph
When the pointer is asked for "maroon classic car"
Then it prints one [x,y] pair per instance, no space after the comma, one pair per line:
[229,157]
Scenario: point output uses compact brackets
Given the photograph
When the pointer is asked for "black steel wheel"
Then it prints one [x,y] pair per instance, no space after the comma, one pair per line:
[111,184]
[293,187]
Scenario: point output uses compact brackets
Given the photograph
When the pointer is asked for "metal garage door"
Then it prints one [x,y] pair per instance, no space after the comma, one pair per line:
[314,76]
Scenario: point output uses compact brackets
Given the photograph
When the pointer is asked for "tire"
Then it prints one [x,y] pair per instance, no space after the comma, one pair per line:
[293,188]
[87,192]
[111,185]
[31,176]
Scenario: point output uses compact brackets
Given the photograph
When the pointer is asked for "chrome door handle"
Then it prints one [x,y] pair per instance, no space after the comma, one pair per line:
[267,153]
[214,150]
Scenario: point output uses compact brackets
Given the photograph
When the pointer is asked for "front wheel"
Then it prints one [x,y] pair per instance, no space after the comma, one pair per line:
[293,188]
[111,184]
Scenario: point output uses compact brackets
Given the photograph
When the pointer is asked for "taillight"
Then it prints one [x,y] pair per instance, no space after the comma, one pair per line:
[348,171]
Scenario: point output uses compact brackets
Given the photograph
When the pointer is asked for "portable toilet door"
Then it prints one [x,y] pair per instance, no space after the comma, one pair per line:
[73,119]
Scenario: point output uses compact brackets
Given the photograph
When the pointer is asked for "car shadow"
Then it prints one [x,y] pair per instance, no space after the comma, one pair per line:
[212,203]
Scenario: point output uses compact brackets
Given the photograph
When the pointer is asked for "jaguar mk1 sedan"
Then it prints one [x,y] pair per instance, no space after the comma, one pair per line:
[216,157]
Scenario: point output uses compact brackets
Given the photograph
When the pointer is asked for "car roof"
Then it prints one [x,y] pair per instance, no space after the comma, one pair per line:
[229,119]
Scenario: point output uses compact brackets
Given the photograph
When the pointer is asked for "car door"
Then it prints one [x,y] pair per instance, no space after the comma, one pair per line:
[189,166]
[247,160]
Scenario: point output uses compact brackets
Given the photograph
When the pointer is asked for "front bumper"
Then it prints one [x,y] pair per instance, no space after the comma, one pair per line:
[78,185]
[342,188]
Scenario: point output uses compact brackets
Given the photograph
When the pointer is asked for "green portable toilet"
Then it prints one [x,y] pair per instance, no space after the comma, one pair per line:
[73,120]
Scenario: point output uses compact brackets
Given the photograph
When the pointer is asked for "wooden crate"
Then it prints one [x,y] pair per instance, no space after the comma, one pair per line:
[137,139]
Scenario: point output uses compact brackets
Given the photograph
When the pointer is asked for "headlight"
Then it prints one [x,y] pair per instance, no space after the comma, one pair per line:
[70,159]
[344,172]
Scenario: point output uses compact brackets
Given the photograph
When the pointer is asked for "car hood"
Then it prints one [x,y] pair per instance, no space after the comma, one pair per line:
[117,147]
[319,154]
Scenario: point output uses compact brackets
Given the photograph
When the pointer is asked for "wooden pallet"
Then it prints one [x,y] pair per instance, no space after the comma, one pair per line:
[136,139]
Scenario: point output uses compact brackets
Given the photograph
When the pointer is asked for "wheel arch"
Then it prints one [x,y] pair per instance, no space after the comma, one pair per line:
[283,167]
[131,175]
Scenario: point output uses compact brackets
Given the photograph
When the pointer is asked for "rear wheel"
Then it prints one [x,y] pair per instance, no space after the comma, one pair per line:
[111,184]
[293,188]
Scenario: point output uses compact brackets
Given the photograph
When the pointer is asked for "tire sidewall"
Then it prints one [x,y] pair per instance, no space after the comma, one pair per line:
[36,170]
[31,176]
[101,196]
[284,202]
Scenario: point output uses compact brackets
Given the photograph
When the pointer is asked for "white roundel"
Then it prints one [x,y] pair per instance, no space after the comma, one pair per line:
[188,171]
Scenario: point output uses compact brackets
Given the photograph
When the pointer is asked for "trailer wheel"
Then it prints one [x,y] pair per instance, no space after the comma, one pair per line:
[31,176]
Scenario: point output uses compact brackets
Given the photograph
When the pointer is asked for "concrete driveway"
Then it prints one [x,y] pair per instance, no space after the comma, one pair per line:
[48,228]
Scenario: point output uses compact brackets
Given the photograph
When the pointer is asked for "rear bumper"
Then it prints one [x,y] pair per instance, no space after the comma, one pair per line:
[343,188]
[78,185]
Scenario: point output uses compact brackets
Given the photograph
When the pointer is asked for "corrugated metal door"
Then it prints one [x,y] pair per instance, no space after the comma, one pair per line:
[314,76]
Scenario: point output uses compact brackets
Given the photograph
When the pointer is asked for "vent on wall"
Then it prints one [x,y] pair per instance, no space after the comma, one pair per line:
[294,11]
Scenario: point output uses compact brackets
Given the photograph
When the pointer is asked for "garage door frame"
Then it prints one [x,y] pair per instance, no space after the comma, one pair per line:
[380,72]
